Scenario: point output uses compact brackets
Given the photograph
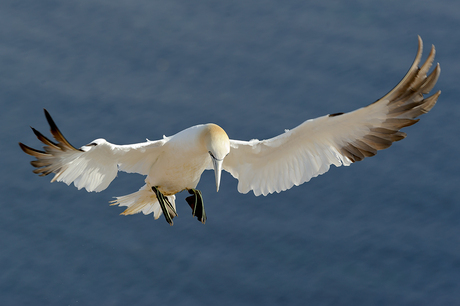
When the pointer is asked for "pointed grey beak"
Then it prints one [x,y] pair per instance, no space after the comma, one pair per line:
[217,163]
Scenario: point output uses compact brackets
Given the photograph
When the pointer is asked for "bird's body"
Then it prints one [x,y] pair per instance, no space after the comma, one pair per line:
[182,160]
[175,163]
[179,164]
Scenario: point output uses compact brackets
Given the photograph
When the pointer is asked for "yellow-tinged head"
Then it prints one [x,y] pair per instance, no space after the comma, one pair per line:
[217,143]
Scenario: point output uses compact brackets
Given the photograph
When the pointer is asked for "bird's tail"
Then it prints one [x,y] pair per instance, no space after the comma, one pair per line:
[143,201]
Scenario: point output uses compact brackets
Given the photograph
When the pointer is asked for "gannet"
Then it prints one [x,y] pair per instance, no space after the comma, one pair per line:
[174,164]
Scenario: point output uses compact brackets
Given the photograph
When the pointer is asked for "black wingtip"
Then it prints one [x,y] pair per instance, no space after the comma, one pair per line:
[25,148]
[57,133]
[21,145]
[44,139]
[31,151]
[50,120]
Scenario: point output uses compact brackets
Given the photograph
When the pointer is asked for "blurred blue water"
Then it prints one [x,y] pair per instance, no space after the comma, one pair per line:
[381,232]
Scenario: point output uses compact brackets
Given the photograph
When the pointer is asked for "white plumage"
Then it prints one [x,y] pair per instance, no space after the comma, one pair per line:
[175,163]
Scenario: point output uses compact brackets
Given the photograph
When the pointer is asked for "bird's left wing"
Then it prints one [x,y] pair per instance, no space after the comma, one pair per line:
[308,150]
[93,166]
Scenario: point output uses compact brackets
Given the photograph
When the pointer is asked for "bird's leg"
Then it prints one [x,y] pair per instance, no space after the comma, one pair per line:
[168,209]
[196,203]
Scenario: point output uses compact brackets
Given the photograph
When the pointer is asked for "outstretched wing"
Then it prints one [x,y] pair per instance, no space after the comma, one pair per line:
[93,166]
[308,150]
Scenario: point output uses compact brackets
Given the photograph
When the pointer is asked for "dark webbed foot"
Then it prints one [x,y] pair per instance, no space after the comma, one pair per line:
[168,210]
[196,203]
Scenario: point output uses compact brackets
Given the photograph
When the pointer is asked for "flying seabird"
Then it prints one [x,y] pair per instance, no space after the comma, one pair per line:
[174,164]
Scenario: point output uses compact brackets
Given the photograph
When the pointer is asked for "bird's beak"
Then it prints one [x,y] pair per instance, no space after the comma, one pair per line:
[217,170]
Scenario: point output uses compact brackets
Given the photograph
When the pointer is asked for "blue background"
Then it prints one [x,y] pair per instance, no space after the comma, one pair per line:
[384,231]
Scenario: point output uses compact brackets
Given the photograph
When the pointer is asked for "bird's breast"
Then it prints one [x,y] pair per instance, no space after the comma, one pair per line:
[175,171]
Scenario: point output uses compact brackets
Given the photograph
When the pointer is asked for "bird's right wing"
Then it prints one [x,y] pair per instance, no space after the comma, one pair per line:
[93,166]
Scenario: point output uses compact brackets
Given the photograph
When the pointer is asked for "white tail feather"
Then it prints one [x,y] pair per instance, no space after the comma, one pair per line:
[143,201]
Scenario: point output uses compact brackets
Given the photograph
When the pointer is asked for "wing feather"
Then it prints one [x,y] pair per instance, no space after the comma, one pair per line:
[308,150]
[93,166]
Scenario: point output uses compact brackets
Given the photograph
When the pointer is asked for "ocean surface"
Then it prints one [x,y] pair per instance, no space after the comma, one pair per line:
[384,231]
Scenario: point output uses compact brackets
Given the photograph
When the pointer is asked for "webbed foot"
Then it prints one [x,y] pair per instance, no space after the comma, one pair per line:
[196,203]
[168,210]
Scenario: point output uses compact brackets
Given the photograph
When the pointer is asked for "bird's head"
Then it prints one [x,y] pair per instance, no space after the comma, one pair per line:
[217,145]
